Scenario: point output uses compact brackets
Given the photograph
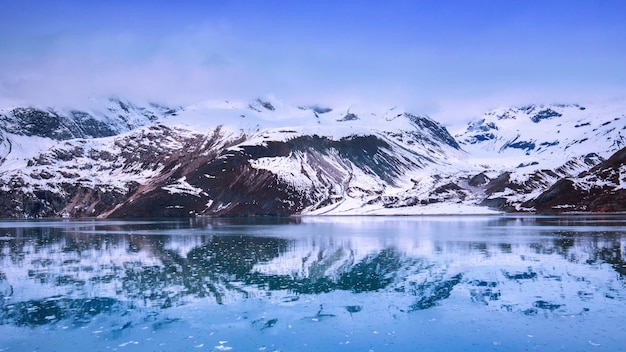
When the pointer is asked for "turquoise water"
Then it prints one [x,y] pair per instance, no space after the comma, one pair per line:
[500,283]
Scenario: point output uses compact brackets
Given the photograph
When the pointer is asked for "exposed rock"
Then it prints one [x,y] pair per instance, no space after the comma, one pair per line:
[601,189]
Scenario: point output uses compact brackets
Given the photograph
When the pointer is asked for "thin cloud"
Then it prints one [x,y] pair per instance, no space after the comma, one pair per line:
[431,58]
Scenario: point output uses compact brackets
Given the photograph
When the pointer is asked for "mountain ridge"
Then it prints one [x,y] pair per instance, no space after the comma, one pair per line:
[264,157]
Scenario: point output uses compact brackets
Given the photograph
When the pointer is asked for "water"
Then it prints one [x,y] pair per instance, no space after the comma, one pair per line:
[315,284]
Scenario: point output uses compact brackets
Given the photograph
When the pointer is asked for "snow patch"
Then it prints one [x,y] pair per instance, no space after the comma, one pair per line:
[181,186]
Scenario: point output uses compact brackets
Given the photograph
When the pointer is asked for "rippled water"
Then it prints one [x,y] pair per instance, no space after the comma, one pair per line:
[315,284]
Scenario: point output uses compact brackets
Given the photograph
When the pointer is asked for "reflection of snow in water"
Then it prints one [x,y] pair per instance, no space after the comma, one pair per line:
[316,285]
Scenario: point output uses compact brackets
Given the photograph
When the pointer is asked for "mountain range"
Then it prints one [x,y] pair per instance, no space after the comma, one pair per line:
[114,158]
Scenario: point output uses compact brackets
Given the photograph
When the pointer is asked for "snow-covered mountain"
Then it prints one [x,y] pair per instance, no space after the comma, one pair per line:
[264,157]
[601,189]
[536,133]
[527,149]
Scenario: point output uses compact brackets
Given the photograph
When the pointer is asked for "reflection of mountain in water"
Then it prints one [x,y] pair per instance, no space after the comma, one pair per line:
[213,269]
[51,274]
[372,273]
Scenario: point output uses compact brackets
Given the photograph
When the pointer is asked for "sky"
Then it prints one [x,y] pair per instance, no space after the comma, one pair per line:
[450,59]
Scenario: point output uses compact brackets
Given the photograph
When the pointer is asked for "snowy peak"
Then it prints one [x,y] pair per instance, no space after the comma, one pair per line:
[436,130]
[103,119]
[259,105]
[535,113]
[547,130]
[272,119]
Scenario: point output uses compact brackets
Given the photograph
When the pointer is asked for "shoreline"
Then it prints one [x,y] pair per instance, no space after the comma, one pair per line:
[297,216]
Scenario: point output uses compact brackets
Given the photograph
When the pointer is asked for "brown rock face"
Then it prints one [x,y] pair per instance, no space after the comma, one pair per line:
[598,190]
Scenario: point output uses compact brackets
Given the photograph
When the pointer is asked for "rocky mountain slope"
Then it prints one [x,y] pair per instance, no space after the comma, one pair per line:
[119,159]
[601,189]
[526,150]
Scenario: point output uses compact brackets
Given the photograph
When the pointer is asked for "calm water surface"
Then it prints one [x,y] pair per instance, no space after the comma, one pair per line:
[315,284]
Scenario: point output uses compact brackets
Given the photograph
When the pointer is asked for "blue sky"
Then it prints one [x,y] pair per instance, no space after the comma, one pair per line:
[440,57]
